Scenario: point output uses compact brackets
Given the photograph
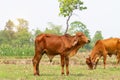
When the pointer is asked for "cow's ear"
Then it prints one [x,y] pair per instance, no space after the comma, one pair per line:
[79,34]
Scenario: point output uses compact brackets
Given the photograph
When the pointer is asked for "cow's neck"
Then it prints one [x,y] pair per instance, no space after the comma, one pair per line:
[74,50]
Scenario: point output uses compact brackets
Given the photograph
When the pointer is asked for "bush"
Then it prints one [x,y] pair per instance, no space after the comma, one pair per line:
[9,50]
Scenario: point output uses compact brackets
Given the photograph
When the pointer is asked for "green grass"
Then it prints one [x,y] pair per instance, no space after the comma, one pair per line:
[17,68]
[53,72]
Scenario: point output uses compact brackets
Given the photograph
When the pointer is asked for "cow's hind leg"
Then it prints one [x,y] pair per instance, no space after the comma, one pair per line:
[36,61]
[67,65]
[62,64]
[118,59]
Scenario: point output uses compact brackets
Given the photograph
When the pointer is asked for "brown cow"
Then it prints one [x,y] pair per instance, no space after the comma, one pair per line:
[103,48]
[52,45]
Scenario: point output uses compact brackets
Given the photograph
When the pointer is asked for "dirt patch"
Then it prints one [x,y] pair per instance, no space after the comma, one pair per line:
[78,59]
[15,61]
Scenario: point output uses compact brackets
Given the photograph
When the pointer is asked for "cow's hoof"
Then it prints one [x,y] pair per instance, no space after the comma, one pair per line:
[62,74]
[67,73]
[90,69]
[36,74]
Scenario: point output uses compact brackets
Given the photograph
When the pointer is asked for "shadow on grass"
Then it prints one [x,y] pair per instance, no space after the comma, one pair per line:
[63,75]
[79,74]
[49,75]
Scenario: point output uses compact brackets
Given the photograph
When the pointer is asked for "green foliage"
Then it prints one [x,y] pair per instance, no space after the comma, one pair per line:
[53,29]
[23,37]
[15,34]
[37,32]
[9,25]
[8,33]
[8,50]
[3,37]
[68,6]
[17,40]
[97,36]
[78,26]
[23,24]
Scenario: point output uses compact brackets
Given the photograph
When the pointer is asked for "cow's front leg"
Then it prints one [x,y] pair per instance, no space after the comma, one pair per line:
[96,63]
[62,64]
[67,65]
[104,61]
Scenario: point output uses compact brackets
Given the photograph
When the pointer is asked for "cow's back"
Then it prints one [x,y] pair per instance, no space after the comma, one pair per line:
[111,44]
[53,43]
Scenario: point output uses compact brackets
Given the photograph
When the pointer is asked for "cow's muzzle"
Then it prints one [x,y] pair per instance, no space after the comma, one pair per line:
[88,41]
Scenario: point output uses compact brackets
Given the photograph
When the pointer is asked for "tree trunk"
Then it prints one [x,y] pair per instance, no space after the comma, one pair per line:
[67,23]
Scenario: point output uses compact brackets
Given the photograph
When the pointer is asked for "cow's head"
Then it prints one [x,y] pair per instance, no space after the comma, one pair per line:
[89,63]
[93,59]
[80,38]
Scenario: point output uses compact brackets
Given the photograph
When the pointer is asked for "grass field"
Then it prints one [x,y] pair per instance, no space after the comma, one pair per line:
[22,69]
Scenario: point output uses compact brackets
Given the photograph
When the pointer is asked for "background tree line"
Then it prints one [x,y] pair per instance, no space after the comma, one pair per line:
[18,40]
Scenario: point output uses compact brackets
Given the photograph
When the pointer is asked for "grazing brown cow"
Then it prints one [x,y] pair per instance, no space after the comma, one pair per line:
[52,45]
[103,48]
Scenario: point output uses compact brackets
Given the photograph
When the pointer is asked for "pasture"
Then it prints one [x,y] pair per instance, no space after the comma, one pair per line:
[12,68]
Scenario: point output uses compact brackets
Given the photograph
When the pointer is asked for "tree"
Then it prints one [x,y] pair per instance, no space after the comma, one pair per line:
[9,25]
[97,36]
[78,26]
[37,32]
[67,7]
[53,29]
[8,31]
[23,24]
[3,37]
[23,35]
